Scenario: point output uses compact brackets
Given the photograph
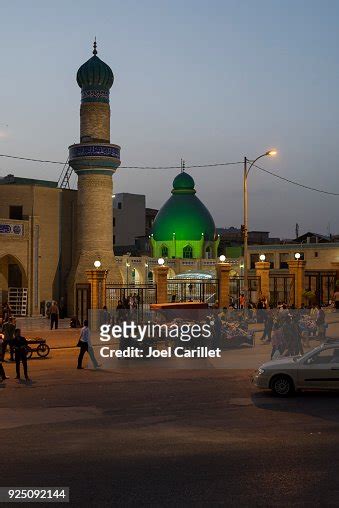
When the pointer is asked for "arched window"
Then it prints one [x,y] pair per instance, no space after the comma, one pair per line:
[208,252]
[187,252]
[164,251]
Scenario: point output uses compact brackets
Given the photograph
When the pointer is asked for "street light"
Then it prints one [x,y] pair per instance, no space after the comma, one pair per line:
[127,273]
[161,261]
[262,257]
[97,264]
[222,258]
[297,256]
[269,153]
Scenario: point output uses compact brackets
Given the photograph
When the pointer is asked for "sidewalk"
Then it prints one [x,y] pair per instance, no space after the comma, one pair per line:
[250,357]
[64,337]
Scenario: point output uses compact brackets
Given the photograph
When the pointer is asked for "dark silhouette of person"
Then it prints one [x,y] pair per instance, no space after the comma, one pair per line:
[8,330]
[20,348]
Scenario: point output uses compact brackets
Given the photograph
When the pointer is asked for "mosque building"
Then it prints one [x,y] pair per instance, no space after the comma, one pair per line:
[50,236]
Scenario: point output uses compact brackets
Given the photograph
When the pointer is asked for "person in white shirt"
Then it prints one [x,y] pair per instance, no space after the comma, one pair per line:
[86,346]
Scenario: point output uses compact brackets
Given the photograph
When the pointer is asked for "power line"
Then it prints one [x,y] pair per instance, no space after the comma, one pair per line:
[128,167]
[28,159]
[296,183]
[190,167]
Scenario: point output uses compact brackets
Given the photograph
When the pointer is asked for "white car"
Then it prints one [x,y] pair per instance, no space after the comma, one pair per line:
[317,369]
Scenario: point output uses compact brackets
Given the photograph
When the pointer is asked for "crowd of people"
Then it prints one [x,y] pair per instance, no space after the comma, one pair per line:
[286,328]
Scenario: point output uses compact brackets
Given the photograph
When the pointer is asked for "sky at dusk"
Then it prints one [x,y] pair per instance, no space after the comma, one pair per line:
[207,81]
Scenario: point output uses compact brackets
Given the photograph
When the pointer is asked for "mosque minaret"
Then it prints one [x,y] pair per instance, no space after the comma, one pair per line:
[94,160]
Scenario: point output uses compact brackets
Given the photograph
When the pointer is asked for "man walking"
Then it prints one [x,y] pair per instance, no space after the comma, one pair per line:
[20,345]
[8,330]
[86,346]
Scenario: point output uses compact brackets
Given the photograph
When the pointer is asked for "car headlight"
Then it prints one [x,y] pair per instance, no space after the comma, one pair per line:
[261,371]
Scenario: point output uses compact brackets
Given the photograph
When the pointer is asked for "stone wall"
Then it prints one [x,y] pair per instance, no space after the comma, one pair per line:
[95,121]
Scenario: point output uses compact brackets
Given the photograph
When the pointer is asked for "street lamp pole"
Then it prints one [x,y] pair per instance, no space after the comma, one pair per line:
[245,231]
[247,169]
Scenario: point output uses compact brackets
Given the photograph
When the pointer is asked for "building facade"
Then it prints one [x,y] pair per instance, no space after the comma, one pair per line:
[129,218]
[37,230]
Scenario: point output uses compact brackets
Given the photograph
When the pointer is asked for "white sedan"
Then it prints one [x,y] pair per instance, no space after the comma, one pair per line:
[317,369]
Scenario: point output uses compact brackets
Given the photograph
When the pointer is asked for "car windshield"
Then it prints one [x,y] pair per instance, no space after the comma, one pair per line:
[298,358]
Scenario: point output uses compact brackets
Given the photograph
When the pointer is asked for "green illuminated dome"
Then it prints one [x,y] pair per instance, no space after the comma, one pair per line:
[183,214]
[95,73]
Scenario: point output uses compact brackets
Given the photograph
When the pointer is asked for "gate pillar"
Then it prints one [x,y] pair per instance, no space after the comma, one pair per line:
[97,279]
[223,274]
[262,270]
[160,278]
[296,267]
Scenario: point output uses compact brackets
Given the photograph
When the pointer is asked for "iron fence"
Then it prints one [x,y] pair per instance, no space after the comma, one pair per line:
[282,289]
[237,288]
[139,296]
[192,290]
[322,284]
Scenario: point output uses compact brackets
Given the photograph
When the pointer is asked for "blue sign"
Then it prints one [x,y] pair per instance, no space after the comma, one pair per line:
[11,229]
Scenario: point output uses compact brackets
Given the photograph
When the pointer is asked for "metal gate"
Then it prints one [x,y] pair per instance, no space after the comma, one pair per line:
[282,289]
[192,290]
[237,288]
[142,294]
[83,301]
[322,284]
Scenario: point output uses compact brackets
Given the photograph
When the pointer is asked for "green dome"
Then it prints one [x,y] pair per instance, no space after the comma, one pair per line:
[183,182]
[183,214]
[95,73]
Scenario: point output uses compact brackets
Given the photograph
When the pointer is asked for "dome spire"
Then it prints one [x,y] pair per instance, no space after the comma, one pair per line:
[95,74]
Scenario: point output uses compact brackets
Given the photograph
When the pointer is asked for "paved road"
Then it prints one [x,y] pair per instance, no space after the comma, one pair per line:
[152,437]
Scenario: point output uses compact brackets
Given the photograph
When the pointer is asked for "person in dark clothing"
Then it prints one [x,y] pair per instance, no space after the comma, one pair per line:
[321,323]
[20,345]
[2,370]
[8,330]
[260,311]
[217,332]
[268,326]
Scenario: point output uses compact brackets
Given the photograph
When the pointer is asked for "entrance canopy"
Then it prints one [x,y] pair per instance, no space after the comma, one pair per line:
[195,275]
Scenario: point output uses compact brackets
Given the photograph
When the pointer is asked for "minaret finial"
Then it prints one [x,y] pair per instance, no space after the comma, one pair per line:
[182,166]
[95,46]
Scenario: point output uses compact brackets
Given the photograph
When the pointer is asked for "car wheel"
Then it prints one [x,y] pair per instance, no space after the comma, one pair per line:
[282,386]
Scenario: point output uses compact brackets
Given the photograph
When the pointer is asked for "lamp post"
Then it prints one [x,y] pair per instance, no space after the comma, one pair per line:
[127,273]
[247,169]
